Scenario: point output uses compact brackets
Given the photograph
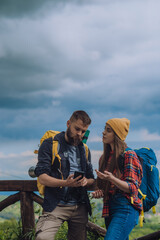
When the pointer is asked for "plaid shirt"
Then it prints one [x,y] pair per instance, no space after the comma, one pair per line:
[132,174]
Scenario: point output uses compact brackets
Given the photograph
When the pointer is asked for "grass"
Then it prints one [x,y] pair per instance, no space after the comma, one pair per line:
[10,226]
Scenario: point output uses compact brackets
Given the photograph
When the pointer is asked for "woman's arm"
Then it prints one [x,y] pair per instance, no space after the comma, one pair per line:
[122,185]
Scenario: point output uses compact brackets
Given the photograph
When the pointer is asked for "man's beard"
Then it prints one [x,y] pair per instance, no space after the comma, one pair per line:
[72,140]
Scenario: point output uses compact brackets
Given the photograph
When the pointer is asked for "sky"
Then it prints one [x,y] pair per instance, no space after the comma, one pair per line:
[101,56]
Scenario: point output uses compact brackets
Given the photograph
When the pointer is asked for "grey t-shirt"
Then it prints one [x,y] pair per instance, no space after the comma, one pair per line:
[74,159]
[73,155]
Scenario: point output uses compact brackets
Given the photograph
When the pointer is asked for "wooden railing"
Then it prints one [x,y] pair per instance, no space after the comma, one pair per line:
[26,196]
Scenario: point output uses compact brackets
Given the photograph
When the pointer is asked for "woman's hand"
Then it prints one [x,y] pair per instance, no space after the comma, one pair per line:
[105,176]
[122,185]
[98,194]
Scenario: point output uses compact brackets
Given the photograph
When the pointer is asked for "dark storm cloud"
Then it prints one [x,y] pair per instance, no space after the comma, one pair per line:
[20,8]
[58,56]
[100,56]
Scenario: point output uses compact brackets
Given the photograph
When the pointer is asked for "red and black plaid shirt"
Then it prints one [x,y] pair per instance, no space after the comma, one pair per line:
[132,174]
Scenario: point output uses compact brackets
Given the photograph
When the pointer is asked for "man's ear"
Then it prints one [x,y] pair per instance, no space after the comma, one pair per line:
[68,123]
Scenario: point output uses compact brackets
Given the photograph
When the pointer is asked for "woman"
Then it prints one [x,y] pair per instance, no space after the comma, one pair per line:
[118,180]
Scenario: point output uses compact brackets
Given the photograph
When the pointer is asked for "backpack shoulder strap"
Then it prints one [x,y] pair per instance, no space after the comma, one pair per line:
[86,150]
[55,149]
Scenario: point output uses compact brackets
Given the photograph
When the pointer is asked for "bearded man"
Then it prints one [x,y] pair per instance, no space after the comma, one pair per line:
[65,197]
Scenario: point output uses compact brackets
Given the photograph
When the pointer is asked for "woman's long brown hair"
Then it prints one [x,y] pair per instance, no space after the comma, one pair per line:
[119,147]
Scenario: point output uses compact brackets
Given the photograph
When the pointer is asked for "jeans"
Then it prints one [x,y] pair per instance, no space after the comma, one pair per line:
[122,218]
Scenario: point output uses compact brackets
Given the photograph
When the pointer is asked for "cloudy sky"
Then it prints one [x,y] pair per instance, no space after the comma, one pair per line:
[102,56]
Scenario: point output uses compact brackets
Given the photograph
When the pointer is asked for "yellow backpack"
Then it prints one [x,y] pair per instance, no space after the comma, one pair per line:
[49,134]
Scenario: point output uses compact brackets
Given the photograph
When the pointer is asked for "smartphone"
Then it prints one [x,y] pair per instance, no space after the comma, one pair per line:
[78,173]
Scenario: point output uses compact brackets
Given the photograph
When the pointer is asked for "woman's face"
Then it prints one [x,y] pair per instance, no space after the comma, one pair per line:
[108,135]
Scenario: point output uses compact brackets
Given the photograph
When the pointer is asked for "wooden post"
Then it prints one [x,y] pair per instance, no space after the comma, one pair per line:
[27,213]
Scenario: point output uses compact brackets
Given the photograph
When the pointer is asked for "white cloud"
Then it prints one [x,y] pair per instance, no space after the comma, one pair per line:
[143,135]
[95,139]
[102,56]
[95,158]
[13,155]
[150,136]
[15,166]
[157,152]
[137,136]
[29,162]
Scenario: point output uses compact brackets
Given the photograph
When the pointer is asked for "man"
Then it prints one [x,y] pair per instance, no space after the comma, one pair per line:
[65,197]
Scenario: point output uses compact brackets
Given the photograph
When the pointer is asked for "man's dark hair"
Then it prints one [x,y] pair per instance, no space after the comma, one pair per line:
[82,115]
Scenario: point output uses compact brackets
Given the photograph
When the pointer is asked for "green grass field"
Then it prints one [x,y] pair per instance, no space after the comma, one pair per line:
[10,216]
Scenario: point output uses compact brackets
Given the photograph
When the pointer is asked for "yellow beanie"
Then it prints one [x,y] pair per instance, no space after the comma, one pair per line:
[120,126]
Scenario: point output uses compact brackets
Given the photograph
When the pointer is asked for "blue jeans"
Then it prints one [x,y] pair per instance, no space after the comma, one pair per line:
[122,218]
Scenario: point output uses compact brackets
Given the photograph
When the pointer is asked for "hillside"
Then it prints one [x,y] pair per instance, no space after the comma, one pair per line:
[152,221]
[13,211]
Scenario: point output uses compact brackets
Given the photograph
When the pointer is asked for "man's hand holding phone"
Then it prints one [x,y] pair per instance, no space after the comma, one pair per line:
[79,176]
[79,173]
[76,180]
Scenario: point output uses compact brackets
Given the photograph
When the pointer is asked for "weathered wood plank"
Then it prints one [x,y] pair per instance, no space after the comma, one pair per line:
[18,185]
[27,213]
[23,185]
[37,198]
[9,201]
[151,236]
[97,230]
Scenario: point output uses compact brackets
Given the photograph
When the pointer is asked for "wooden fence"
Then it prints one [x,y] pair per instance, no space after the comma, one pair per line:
[26,196]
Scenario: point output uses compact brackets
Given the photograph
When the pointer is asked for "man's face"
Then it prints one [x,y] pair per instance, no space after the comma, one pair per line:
[75,131]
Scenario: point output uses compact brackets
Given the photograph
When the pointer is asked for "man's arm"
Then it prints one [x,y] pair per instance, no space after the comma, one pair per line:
[86,182]
[90,181]
[49,181]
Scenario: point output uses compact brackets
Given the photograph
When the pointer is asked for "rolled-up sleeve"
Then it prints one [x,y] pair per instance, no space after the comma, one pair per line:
[44,158]
[132,172]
